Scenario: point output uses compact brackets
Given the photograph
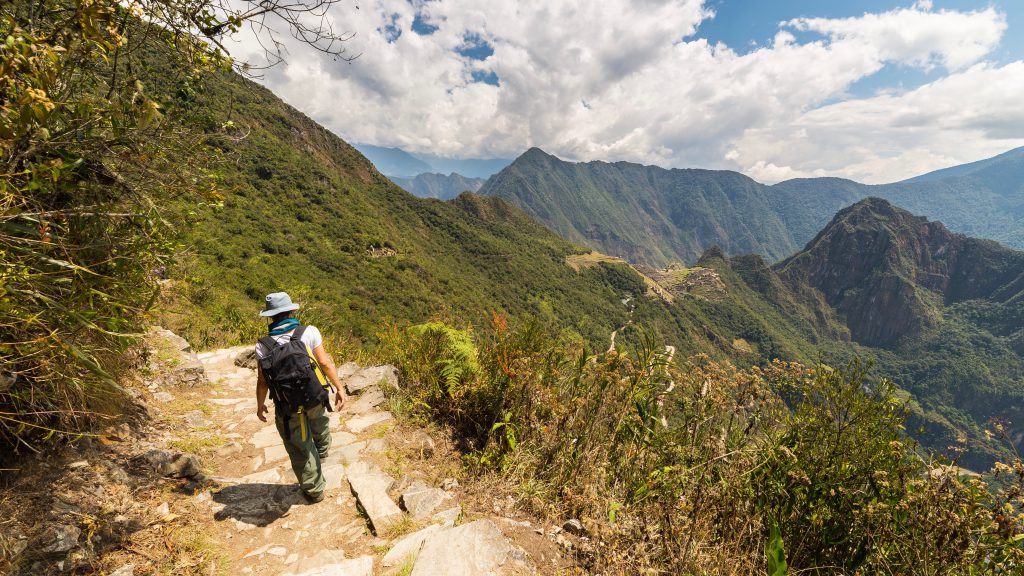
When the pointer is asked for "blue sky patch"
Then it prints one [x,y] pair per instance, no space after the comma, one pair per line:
[391,30]
[486,76]
[421,27]
[475,48]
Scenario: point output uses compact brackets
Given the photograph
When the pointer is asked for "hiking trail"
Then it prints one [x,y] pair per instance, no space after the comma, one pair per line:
[370,521]
[188,480]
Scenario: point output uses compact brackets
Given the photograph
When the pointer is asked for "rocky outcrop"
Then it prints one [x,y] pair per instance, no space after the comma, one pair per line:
[889,273]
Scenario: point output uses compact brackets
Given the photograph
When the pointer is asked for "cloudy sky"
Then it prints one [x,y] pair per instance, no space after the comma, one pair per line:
[874,90]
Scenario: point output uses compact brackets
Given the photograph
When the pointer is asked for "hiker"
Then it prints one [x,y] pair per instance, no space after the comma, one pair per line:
[291,367]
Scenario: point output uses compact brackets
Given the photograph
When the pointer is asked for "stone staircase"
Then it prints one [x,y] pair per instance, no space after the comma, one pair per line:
[369,523]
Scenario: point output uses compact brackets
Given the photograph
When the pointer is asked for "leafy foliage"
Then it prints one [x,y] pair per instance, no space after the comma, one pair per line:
[745,461]
[100,163]
[88,157]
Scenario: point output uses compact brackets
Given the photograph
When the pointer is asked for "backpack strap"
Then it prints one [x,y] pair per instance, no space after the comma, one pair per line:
[297,334]
[268,344]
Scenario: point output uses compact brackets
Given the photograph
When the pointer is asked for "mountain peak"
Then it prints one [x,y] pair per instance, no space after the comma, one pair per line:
[535,153]
[889,271]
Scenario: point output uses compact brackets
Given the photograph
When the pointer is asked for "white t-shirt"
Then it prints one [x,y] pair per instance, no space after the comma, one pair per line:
[311,337]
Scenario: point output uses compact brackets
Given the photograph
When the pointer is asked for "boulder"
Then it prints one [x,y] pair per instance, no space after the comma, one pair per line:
[173,340]
[196,419]
[126,570]
[246,358]
[386,375]
[574,527]
[423,444]
[407,547]
[347,369]
[174,352]
[7,380]
[229,449]
[190,372]
[369,399]
[174,464]
[447,517]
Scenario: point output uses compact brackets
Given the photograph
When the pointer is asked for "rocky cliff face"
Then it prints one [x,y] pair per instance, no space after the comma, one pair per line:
[889,273]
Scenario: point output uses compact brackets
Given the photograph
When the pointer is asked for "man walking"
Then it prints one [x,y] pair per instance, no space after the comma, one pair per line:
[292,364]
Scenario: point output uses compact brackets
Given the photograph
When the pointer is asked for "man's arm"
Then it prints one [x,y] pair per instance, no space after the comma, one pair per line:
[261,394]
[328,367]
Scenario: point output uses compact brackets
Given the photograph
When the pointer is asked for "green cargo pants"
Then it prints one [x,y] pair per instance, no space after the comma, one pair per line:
[307,438]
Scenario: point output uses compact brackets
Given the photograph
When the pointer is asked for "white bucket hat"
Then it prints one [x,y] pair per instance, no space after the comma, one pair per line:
[278,302]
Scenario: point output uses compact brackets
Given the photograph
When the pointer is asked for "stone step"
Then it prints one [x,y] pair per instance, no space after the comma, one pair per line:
[266,436]
[477,548]
[360,423]
[406,548]
[333,563]
[420,500]
[370,487]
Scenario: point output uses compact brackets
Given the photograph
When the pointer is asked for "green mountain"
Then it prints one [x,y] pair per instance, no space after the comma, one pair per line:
[983,199]
[650,215]
[305,212]
[431,185]
[944,312]
[644,214]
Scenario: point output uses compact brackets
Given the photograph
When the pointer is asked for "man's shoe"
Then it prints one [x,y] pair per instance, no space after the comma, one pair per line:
[314,498]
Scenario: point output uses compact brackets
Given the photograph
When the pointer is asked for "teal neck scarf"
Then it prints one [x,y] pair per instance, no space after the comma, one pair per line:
[283,326]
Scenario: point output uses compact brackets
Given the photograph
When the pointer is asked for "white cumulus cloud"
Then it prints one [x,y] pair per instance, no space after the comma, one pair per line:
[629,80]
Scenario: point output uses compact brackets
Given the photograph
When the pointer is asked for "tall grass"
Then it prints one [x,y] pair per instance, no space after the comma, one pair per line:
[818,452]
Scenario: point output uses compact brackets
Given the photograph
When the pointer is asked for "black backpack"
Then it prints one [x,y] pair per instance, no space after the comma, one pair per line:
[292,374]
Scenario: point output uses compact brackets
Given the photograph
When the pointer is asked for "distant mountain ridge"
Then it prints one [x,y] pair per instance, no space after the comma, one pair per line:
[651,215]
[431,185]
[397,163]
[965,169]
[983,199]
[645,214]
[393,161]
